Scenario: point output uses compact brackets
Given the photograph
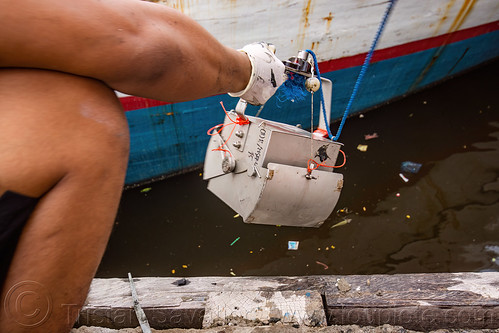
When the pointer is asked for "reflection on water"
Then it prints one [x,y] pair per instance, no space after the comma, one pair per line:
[447,220]
[460,201]
[444,219]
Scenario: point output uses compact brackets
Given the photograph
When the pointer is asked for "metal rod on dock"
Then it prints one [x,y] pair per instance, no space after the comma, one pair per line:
[141,316]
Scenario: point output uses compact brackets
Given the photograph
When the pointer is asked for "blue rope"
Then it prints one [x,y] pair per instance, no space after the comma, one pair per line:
[363,70]
[316,66]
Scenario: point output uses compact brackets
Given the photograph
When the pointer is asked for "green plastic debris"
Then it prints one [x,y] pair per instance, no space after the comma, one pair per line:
[235,240]
[145,190]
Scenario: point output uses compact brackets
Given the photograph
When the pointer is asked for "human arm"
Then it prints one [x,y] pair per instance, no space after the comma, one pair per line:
[136,47]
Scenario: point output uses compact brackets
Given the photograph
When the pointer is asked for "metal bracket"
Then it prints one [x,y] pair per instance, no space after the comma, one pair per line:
[241,108]
[327,92]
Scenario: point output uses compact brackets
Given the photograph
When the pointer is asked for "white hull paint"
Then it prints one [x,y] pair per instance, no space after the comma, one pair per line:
[333,28]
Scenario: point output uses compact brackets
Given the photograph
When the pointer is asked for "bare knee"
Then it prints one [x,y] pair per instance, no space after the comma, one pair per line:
[54,124]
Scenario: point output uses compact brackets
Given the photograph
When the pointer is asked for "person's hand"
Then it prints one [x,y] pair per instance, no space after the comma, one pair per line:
[267,74]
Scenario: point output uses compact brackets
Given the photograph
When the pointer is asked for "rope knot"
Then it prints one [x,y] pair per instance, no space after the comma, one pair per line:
[217,129]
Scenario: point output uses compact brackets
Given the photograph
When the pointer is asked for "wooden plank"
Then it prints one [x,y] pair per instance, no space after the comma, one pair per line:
[415,301]
[205,302]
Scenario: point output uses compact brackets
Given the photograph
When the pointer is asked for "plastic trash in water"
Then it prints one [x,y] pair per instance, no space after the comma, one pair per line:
[339,224]
[371,136]
[293,245]
[411,167]
[362,148]
[322,264]
[404,178]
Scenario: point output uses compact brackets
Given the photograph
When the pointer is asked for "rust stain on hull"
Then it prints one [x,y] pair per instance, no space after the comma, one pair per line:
[305,14]
[328,20]
[176,4]
[181,5]
[461,16]
[314,45]
[445,16]
[304,23]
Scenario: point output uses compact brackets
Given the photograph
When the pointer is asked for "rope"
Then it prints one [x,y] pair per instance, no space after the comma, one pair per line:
[312,164]
[316,66]
[364,69]
[217,129]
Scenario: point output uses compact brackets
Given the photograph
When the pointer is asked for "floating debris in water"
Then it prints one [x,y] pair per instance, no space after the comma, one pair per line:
[362,148]
[236,216]
[370,136]
[404,178]
[343,211]
[184,266]
[339,224]
[408,216]
[145,190]
[293,245]
[235,240]
[322,264]
[411,167]
[173,271]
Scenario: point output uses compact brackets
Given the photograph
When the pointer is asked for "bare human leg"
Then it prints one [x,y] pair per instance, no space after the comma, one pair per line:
[63,138]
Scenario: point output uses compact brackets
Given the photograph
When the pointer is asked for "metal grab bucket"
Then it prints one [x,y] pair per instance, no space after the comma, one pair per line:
[260,169]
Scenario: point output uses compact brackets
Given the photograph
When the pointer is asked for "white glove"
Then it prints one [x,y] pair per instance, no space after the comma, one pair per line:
[267,74]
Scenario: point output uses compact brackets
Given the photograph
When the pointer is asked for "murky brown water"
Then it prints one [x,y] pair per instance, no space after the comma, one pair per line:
[444,219]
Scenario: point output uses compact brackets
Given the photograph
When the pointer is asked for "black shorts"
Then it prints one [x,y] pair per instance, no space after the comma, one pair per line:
[15,210]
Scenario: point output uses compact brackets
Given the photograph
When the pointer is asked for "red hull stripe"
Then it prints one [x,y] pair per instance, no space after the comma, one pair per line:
[408,48]
[134,103]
